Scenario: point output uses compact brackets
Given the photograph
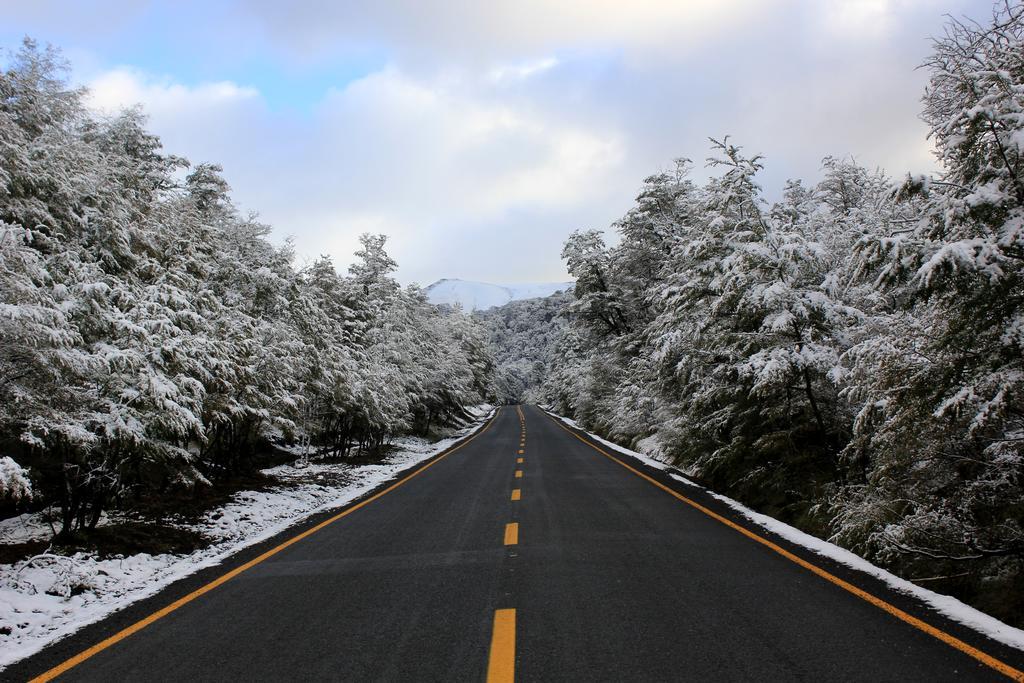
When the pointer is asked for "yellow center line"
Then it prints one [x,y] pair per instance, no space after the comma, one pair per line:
[516,494]
[948,639]
[501,667]
[519,461]
[522,450]
[512,533]
[519,474]
[224,578]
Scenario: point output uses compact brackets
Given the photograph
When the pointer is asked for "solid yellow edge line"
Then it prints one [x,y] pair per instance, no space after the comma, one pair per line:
[501,665]
[950,640]
[143,623]
[512,533]
[517,494]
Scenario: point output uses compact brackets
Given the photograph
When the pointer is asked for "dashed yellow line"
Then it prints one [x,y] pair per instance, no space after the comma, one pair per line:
[501,667]
[224,578]
[952,641]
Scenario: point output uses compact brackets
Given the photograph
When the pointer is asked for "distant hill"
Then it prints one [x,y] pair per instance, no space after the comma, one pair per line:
[478,296]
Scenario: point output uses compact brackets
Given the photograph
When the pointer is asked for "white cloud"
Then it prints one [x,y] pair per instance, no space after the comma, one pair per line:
[498,127]
[521,70]
[858,18]
[387,153]
[451,149]
[99,17]
[493,32]
[427,158]
[125,87]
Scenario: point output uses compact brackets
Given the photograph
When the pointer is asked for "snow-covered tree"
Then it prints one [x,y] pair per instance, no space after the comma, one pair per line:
[849,356]
[152,337]
[940,433]
[523,335]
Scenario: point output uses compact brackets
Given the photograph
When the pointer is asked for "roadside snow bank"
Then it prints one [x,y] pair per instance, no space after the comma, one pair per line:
[944,604]
[51,596]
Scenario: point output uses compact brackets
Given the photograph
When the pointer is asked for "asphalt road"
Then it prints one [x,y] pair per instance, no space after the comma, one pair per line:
[593,574]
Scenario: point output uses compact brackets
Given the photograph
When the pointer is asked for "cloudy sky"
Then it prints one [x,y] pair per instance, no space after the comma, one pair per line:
[478,135]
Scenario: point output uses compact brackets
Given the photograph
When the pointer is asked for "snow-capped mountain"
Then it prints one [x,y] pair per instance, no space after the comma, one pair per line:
[482,295]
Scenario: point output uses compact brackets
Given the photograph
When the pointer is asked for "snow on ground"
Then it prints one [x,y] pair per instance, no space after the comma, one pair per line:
[31,526]
[944,604]
[51,596]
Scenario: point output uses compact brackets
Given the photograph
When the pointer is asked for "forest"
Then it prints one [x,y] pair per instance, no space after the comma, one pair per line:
[847,358]
[523,335]
[152,338]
